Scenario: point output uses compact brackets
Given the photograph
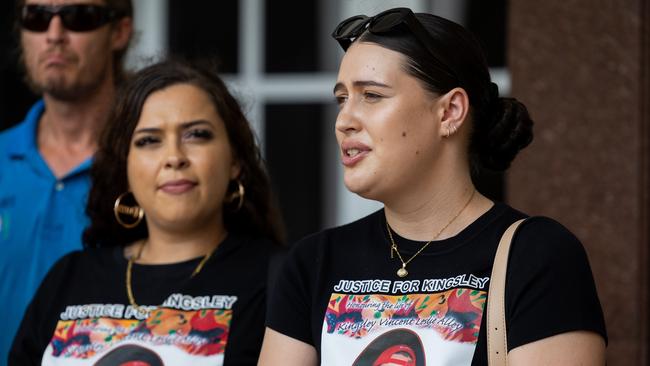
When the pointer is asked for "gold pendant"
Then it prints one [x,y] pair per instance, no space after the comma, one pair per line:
[402,272]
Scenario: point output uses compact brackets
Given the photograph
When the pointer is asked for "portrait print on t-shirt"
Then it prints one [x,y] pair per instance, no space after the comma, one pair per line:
[184,330]
[411,322]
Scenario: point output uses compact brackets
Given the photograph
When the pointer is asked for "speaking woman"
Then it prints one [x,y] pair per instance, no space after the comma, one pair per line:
[408,285]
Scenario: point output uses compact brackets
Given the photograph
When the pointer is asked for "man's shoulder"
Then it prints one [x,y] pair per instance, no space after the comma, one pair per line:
[12,132]
[12,142]
[32,115]
[18,135]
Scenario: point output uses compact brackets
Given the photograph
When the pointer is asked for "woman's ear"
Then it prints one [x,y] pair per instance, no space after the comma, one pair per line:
[235,169]
[453,108]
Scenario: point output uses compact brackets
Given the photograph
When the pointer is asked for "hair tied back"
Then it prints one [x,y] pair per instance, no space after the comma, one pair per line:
[492,105]
[494,92]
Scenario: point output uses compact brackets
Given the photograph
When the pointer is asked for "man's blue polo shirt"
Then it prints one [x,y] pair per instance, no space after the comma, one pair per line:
[41,219]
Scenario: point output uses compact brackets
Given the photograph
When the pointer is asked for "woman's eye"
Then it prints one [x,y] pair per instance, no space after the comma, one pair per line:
[199,134]
[371,96]
[145,141]
[341,99]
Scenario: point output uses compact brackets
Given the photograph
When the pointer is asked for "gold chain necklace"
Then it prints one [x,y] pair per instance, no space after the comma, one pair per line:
[402,272]
[129,266]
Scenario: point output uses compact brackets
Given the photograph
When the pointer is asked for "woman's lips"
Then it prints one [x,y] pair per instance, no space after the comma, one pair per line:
[177,186]
[353,152]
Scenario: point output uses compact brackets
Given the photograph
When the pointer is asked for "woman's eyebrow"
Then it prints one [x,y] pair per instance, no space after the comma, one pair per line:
[361,83]
[184,125]
[147,130]
[189,124]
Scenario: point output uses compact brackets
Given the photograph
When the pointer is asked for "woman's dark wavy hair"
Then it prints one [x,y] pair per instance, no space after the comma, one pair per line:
[258,217]
[501,127]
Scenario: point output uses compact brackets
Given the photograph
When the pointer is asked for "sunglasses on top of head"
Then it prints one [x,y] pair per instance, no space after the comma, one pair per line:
[75,17]
[385,22]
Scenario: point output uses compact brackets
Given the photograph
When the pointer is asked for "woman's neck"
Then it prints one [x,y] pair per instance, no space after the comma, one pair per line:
[163,247]
[437,209]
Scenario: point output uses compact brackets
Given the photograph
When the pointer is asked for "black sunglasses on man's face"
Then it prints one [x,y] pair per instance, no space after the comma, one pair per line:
[75,17]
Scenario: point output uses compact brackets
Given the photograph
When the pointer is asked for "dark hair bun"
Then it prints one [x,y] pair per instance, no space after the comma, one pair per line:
[506,129]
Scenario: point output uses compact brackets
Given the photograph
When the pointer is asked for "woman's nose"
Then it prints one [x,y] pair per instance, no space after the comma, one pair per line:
[176,158]
[346,121]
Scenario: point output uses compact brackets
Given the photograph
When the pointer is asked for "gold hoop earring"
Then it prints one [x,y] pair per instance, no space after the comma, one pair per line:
[239,194]
[136,212]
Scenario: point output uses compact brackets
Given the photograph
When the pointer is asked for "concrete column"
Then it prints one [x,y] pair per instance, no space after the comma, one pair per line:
[582,67]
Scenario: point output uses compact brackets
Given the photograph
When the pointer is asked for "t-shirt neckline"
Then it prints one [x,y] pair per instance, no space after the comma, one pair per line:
[179,269]
[443,246]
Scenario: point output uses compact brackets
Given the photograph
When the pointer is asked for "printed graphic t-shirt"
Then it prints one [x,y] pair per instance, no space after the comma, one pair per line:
[81,314]
[339,291]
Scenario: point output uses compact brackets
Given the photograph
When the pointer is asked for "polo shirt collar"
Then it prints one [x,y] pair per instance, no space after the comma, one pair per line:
[25,133]
[24,142]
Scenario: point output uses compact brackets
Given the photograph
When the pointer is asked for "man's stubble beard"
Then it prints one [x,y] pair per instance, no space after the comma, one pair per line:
[59,86]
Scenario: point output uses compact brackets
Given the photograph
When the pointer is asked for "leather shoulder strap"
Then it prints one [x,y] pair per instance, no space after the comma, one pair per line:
[497,341]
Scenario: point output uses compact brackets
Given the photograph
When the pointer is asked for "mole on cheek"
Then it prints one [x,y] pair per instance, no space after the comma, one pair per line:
[417,152]
[403,133]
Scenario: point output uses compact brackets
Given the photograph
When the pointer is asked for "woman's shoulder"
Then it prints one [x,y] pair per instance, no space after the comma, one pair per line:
[538,238]
[77,258]
[548,265]
[357,231]
[535,230]
[544,243]
[247,245]
[256,254]
[85,260]
[98,256]
[546,233]
[75,270]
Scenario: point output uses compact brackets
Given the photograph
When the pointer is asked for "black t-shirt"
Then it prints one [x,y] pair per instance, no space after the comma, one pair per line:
[81,314]
[338,291]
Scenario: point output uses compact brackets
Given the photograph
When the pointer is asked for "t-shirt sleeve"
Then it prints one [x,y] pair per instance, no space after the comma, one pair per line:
[37,326]
[291,302]
[247,331]
[549,287]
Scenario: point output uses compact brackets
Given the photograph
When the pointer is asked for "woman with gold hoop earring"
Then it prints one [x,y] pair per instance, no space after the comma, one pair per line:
[418,114]
[183,226]
[120,210]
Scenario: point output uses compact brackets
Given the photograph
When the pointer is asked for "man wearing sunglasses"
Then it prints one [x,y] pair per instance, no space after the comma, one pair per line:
[72,53]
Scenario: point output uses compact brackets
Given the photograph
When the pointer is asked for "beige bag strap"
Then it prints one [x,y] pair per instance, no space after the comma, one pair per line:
[497,341]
